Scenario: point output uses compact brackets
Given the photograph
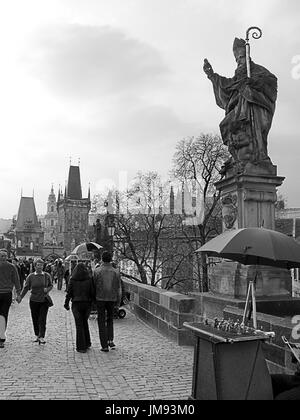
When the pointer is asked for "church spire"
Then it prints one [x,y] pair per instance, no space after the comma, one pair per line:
[59,194]
[74,191]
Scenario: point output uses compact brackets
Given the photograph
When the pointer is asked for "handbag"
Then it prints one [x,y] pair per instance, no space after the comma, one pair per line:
[48,297]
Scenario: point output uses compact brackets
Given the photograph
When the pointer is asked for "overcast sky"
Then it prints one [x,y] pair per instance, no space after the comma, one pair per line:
[117,83]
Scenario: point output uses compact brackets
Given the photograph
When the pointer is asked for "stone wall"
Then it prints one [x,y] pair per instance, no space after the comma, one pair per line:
[163,310]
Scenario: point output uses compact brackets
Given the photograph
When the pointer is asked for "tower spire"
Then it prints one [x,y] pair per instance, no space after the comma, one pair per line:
[58,195]
[172,200]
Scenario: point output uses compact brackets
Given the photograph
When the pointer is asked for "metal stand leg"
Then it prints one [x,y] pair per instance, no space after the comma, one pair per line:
[250,295]
[254,306]
[246,303]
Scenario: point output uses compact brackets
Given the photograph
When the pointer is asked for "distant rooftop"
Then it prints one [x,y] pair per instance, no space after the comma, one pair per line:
[27,214]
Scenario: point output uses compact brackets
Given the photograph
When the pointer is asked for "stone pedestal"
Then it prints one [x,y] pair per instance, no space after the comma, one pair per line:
[248,200]
[231,279]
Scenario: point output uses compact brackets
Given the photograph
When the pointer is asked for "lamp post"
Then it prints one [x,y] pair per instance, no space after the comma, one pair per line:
[111,232]
[110,229]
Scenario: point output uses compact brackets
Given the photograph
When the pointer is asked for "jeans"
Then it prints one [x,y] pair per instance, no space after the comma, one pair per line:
[81,312]
[59,283]
[39,312]
[5,302]
[105,311]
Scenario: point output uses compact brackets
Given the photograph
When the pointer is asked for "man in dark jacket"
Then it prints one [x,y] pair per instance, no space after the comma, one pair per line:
[9,279]
[108,294]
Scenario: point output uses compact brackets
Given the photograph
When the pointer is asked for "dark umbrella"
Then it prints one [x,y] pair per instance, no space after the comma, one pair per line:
[255,246]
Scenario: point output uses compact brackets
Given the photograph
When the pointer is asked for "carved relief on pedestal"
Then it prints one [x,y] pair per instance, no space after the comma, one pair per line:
[229,211]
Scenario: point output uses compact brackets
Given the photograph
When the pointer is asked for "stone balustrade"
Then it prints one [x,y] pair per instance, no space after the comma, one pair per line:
[163,310]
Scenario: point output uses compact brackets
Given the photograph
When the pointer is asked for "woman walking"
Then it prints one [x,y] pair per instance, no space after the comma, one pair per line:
[81,292]
[39,282]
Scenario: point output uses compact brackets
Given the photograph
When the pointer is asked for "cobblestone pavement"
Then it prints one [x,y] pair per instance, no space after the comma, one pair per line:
[145,364]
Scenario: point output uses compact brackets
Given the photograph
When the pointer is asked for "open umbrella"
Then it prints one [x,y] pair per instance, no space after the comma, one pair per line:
[255,246]
[72,257]
[86,247]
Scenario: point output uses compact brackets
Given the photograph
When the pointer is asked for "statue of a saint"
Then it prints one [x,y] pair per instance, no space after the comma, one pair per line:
[249,104]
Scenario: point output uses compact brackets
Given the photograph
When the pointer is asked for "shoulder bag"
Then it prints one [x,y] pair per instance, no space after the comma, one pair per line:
[48,297]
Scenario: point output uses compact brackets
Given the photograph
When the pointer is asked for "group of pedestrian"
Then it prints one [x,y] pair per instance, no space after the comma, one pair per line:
[105,288]
[102,287]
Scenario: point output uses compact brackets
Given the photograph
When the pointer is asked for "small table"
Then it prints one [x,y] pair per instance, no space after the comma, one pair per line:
[229,366]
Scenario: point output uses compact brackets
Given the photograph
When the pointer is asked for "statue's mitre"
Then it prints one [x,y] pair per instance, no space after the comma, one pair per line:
[238,43]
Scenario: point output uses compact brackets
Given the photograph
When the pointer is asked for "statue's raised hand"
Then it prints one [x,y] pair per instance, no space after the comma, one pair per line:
[207,67]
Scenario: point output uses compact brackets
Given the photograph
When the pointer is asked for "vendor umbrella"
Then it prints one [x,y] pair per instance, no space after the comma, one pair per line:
[86,247]
[255,246]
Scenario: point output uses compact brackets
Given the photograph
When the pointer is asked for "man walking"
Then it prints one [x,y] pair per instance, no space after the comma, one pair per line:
[108,294]
[9,279]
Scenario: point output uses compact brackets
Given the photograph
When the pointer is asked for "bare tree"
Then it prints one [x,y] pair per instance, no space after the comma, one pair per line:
[146,234]
[200,160]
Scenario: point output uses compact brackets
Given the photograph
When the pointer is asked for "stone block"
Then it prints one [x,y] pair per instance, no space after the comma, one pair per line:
[152,320]
[181,303]
[130,286]
[279,307]
[164,300]
[144,303]
[163,327]
[152,294]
